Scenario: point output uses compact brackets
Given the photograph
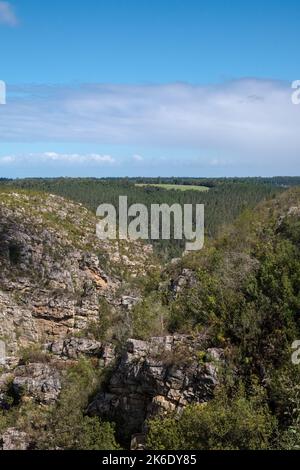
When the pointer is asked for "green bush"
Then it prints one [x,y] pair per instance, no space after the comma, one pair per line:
[65,424]
[222,424]
[149,318]
[69,427]
[33,354]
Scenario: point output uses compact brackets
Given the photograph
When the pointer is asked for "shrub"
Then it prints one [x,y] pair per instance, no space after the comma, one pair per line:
[65,424]
[33,354]
[149,318]
[239,423]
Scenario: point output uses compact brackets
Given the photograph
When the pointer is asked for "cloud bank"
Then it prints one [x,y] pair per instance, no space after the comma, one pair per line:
[246,120]
[57,158]
[7,14]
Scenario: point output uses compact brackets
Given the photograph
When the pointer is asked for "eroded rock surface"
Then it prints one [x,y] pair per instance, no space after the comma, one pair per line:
[157,376]
[13,439]
[54,271]
[73,348]
[40,382]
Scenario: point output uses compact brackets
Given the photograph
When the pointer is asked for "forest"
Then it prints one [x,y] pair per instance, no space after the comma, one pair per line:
[225,200]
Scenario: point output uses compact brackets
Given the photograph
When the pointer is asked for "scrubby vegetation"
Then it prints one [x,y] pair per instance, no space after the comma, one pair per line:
[244,296]
[65,424]
[237,423]
[247,296]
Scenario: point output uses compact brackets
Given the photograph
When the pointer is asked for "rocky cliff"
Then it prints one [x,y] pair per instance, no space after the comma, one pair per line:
[87,333]
[157,377]
[57,282]
[54,270]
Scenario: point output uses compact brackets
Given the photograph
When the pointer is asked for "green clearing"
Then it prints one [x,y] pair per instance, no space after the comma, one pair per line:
[178,187]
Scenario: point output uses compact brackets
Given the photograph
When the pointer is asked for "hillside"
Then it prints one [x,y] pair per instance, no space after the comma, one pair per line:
[54,270]
[101,347]
[243,292]
[224,201]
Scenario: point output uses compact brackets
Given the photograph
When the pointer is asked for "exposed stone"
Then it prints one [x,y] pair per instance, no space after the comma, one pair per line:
[129,302]
[138,441]
[186,278]
[108,355]
[73,348]
[52,273]
[2,353]
[160,405]
[17,325]
[216,354]
[156,377]
[294,210]
[38,381]
[13,439]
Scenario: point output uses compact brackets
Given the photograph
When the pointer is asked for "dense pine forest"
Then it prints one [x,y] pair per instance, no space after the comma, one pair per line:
[224,201]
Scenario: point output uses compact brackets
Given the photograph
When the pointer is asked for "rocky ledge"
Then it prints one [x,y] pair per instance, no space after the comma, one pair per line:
[55,273]
[147,378]
[155,377]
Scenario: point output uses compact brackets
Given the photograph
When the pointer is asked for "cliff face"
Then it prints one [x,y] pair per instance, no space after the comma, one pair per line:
[54,271]
[55,275]
[156,377]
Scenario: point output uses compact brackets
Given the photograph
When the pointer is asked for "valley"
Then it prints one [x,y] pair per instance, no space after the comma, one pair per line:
[106,345]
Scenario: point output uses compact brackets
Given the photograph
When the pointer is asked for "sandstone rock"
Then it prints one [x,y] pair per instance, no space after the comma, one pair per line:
[108,355]
[294,211]
[216,354]
[17,325]
[13,439]
[52,269]
[129,302]
[151,377]
[138,441]
[38,381]
[187,278]
[137,347]
[160,405]
[73,348]
[2,353]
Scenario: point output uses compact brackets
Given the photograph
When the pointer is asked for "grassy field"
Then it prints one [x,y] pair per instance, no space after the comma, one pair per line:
[178,187]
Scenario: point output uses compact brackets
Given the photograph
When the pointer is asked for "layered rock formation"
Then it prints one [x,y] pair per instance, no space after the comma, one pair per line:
[54,276]
[158,376]
[54,270]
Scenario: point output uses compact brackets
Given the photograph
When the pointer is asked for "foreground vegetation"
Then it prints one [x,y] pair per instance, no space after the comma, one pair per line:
[247,298]
[65,425]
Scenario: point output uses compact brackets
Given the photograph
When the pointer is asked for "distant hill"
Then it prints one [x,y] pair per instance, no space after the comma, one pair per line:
[225,200]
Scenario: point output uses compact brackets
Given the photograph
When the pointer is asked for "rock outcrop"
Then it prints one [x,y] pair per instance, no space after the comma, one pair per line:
[55,277]
[39,382]
[155,377]
[54,271]
[73,348]
[13,439]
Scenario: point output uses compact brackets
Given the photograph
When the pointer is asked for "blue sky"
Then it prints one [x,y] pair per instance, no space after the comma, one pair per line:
[137,87]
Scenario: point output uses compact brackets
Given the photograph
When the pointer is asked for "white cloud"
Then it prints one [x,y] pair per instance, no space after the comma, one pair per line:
[58,158]
[7,159]
[7,14]
[250,121]
[222,162]
[137,158]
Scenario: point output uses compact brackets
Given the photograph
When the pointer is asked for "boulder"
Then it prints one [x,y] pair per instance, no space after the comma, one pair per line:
[155,377]
[13,439]
[73,348]
[40,382]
